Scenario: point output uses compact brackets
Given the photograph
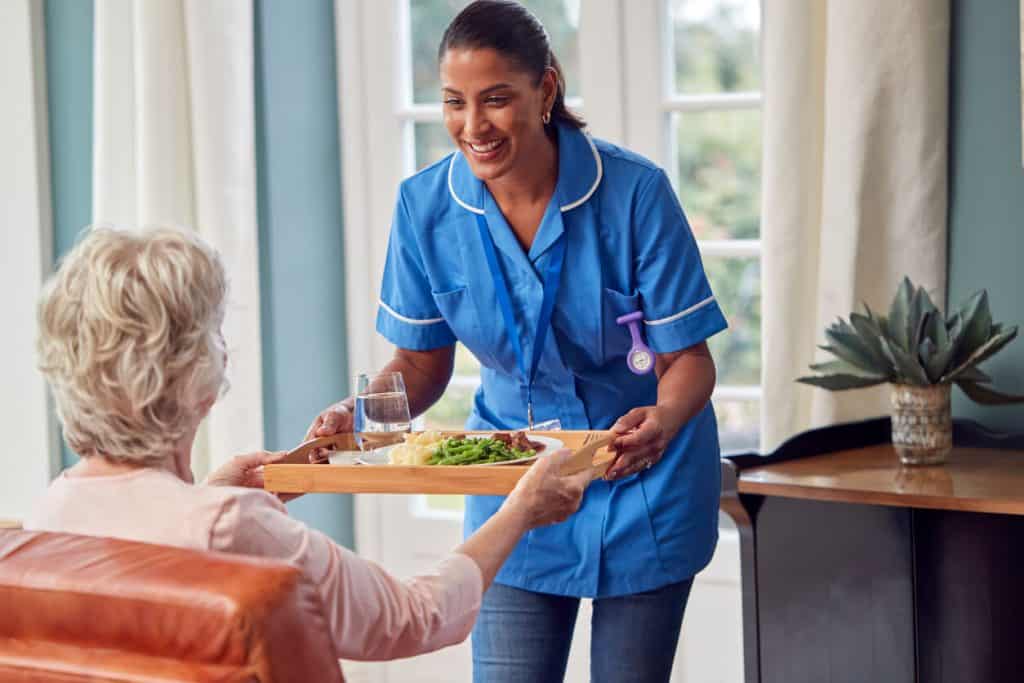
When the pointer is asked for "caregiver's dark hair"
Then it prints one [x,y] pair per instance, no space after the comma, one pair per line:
[514,32]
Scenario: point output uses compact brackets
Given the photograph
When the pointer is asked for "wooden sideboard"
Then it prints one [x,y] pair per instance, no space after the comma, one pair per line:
[856,569]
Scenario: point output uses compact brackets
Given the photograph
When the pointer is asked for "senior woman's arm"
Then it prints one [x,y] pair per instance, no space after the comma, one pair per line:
[374,616]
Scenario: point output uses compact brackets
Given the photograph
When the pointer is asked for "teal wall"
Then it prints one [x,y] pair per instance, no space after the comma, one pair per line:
[69,99]
[300,216]
[986,218]
[302,287]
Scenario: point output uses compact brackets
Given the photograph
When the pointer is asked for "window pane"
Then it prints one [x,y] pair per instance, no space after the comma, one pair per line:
[446,504]
[716,45]
[429,18]
[451,411]
[718,172]
[432,143]
[738,425]
[561,18]
[466,364]
[736,283]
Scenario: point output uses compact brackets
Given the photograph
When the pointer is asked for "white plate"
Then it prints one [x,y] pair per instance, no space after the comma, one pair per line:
[345,457]
[380,456]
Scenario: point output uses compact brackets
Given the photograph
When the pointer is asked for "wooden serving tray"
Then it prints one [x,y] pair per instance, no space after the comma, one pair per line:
[494,480]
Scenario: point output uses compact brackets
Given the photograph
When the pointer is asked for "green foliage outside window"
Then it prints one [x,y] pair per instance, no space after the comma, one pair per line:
[429,18]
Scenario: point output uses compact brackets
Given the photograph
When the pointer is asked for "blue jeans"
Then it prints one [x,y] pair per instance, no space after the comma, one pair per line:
[524,637]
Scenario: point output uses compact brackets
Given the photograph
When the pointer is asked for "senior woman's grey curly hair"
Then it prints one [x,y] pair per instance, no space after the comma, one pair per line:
[130,341]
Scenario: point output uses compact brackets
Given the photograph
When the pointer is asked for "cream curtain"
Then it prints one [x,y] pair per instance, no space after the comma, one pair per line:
[174,144]
[854,182]
[29,456]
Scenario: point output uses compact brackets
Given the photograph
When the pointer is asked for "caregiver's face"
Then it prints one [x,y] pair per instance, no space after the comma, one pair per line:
[492,110]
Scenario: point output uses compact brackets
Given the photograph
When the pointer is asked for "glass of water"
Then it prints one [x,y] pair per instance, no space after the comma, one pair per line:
[381,411]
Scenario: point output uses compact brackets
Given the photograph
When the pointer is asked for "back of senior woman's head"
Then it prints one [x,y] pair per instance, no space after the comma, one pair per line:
[130,342]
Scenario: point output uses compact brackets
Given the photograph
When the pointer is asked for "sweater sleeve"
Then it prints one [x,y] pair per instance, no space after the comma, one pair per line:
[372,614]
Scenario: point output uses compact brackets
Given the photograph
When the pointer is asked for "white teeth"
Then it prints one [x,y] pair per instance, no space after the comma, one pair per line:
[486,147]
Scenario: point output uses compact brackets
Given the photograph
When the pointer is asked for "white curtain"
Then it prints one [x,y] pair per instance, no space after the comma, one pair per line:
[174,144]
[854,182]
[27,458]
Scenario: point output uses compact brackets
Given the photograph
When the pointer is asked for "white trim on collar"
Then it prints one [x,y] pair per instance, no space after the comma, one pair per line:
[451,188]
[563,209]
[597,180]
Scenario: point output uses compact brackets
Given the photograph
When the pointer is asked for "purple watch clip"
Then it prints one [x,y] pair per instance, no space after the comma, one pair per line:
[640,358]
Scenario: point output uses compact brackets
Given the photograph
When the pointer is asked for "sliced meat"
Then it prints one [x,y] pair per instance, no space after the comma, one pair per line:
[520,442]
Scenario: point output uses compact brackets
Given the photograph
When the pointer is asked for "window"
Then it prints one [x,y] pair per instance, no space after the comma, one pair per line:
[714,140]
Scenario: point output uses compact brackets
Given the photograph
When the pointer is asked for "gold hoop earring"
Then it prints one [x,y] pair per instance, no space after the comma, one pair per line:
[546,117]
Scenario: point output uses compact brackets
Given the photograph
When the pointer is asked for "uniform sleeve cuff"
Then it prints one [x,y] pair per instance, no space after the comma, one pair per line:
[415,335]
[679,332]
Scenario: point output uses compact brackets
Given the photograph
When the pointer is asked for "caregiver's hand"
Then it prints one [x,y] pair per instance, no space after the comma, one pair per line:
[642,435]
[334,419]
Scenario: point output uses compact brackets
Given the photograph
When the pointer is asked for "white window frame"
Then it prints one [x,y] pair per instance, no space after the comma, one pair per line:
[648,130]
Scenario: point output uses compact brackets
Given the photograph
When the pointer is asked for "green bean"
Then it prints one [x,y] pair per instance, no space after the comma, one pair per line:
[472,451]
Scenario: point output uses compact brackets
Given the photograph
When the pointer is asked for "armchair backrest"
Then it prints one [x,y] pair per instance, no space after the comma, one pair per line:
[85,608]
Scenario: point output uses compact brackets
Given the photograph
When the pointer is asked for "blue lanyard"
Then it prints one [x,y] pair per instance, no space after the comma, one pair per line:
[552,280]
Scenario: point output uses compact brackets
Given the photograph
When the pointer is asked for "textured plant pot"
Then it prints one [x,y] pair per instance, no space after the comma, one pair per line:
[922,424]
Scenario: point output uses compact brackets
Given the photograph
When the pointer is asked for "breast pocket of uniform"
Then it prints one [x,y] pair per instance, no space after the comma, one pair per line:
[615,339]
[462,316]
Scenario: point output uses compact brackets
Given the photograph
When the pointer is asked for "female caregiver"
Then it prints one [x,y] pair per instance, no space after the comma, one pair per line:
[526,245]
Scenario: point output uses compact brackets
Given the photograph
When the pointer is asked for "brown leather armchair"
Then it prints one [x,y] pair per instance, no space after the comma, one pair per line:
[78,608]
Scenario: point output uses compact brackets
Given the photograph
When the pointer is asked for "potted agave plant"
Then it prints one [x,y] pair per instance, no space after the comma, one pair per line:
[921,353]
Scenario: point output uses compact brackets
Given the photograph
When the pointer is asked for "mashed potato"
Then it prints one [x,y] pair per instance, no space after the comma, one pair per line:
[416,450]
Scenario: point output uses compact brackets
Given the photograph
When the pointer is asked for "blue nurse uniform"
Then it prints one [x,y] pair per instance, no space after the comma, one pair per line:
[628,248]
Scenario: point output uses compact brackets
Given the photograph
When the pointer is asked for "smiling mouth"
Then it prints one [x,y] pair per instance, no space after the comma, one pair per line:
[485,149]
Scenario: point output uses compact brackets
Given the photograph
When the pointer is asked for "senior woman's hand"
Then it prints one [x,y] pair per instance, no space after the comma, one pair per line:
[546,494]
[247,471]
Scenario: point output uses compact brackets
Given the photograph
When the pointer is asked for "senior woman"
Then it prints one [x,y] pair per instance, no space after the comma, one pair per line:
[130,344]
